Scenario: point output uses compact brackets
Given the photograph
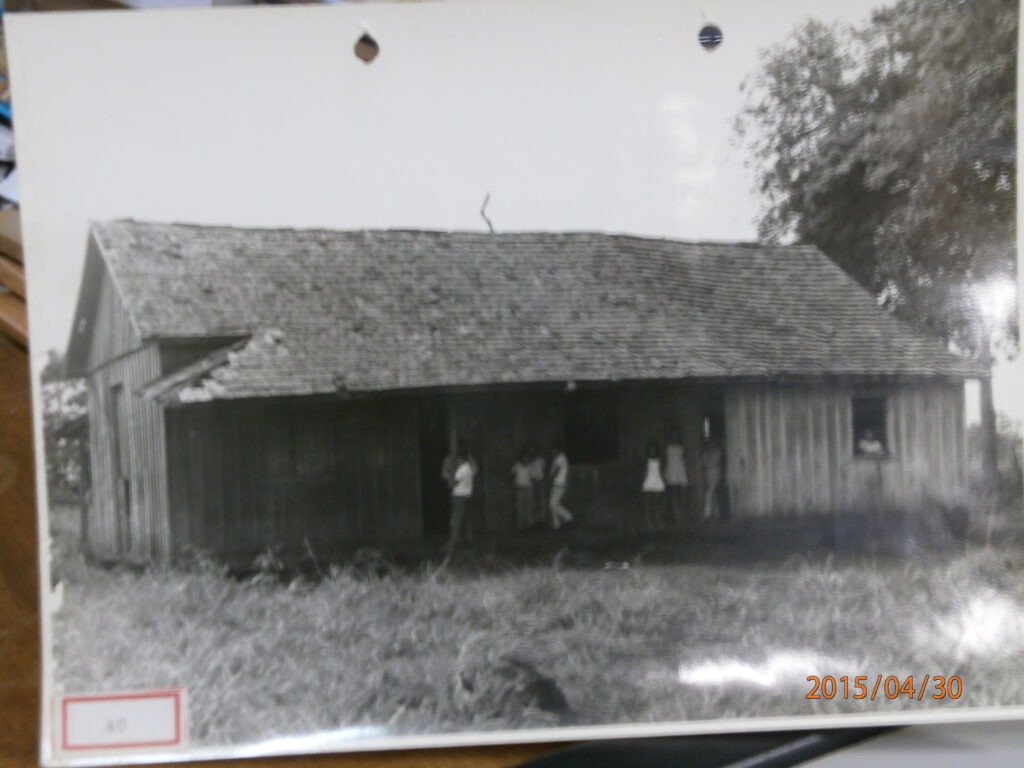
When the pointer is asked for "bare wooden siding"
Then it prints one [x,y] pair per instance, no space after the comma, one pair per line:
[248,476]
[790,448]
[113,332]
[117,357]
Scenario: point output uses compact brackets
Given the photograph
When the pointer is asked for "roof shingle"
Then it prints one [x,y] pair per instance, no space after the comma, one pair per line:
[393,309]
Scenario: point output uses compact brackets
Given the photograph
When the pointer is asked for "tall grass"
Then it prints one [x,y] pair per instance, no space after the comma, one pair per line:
[263,658]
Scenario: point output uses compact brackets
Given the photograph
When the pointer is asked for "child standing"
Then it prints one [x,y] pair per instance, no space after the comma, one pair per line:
[676,479]
[653,487]
[522,477]
[559,481]
[462,490]
[451,461]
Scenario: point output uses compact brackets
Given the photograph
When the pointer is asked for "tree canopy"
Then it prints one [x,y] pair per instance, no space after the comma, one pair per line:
[891,146]
[64,401]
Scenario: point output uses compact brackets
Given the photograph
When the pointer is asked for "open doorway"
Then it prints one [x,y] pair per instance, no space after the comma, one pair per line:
[433,447]
[121,466]
[713,460]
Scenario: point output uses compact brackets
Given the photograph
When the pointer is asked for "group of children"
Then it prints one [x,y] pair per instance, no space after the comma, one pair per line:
[529,475]
[665,481]
[540,485]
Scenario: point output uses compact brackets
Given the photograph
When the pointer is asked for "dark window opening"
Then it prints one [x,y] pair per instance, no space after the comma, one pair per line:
[870,433]
[592,427]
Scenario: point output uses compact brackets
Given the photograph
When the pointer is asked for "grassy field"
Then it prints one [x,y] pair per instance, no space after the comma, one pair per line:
[264,657]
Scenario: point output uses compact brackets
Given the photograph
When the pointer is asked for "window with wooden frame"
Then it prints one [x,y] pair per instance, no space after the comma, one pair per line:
[870,427]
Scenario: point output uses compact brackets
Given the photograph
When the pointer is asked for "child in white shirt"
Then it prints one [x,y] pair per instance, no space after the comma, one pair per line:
[559,481]
[462,490]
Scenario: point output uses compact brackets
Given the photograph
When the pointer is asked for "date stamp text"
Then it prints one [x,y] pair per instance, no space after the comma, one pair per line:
[885,687]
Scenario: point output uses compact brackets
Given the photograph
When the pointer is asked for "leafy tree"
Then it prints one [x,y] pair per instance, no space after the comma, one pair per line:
[64,401]
[891,146]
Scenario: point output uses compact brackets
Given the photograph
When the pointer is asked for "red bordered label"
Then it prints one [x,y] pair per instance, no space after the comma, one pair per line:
[142,720]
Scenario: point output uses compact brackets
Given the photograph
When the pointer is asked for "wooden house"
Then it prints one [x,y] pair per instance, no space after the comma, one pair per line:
[253,388]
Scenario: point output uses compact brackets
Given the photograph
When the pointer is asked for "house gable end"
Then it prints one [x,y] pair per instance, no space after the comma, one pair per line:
[102,329]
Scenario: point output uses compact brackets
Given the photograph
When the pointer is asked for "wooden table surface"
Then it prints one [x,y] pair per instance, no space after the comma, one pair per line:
[19,612]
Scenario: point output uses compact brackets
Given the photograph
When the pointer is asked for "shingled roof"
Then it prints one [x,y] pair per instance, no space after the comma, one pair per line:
[325,311]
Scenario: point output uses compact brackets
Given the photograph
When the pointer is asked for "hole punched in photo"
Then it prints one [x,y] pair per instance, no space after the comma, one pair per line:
[366,48]
[710,37]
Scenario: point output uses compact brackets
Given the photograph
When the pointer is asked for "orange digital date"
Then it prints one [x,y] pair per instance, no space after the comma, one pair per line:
[885,686]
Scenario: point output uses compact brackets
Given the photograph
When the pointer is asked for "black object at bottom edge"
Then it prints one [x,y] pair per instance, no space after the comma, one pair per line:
[737,750]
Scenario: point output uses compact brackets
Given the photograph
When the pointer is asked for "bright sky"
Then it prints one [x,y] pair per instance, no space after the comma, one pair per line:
[573,114]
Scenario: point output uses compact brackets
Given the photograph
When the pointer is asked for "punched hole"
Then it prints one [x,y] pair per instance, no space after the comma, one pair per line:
[710,37]
[366,48]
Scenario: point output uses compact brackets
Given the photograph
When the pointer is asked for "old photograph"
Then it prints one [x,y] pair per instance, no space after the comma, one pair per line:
[691,400]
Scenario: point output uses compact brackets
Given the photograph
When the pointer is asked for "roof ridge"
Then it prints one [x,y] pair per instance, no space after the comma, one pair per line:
[483,234]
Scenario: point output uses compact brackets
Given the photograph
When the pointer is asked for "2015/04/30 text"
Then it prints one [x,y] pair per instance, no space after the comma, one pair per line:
[885,686]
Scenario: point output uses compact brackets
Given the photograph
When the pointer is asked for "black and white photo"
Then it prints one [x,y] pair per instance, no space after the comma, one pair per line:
[556,379]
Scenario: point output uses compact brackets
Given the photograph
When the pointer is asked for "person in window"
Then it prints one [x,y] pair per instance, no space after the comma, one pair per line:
[559,482]
[522,479]
[676,479]
[712,462]
[869,445]
[462,490]
[653,488]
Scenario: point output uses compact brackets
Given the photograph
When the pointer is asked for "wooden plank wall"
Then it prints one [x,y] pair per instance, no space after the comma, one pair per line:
[790,448]
[245,476]
[116,356]
[250,475]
